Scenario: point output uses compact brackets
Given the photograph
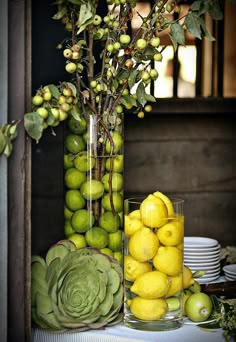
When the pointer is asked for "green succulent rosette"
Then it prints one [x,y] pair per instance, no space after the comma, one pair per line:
[77,289]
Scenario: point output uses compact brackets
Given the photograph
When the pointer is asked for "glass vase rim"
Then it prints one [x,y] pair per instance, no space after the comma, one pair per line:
[139,199]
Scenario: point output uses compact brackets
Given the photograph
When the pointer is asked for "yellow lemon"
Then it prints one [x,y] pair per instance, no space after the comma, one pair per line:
[153,212]
[132,224]
[143,244]
[187,277]
[171,234]
[134,268]
[167,201]
[135,213]
[168,260]
[148,309]
[176,285]
[151,285]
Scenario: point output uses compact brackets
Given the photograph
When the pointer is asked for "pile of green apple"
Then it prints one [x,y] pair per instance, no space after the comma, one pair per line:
[93,208]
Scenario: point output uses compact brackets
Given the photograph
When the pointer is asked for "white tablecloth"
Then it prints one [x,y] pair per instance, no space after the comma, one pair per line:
[121,333]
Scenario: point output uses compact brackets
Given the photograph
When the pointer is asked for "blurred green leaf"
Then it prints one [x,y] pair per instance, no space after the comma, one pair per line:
[215,10]
[193,24]
[141,94]
[207,34]
[2,141]
[33,124]
[54,91]
[132,78]
[177,32]
[85,16]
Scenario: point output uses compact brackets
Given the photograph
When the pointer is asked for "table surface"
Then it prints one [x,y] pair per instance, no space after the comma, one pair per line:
[121,333]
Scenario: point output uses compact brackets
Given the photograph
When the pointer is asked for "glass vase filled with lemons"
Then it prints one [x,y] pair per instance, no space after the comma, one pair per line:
[153,262]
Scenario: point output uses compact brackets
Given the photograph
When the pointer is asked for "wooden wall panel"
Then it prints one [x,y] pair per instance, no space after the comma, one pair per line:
[188,156]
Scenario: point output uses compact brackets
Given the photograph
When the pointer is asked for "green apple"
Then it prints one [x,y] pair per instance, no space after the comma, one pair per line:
[77,126]
[37,100]
[83,162]
[71,67]
[117,163]
[67,53]
[117,141]
[125,39]
[117,181]
[157,57]
[92,189]
[111,223]
[198,307]
[42,112]
[155,42]
[117,202]
[141,44]
[97,20]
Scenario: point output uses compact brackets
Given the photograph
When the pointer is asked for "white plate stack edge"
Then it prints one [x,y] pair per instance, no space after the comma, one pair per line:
[202,254]
[230,272]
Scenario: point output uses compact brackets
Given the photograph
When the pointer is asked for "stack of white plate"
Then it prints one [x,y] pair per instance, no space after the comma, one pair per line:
[202,254]
[230,272]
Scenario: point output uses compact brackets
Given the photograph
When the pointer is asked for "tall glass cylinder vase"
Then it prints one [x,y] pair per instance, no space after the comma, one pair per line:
[93,177]
[153,262]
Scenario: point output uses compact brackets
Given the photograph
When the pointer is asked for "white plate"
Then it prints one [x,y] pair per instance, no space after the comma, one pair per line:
[201,249]
[210,275]
[204,268]
[230,269]
[230,278]
[197,258]
[202,263]
[189,322]
[202,252]
[195,241]
[206,280]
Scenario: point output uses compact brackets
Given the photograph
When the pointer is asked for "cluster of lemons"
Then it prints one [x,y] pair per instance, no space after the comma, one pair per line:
[153,264]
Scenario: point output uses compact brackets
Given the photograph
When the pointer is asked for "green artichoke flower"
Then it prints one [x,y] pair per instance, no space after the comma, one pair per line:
[76,288]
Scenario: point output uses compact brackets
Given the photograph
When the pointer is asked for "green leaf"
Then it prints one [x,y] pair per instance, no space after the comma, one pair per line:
[8,147]
[85,17]
[60,13]
[132,78]
[77,2]
[115,83]
[149,53]
[33,124]
[75,114]
[150,98]
[207,34]
[54,91]
[177,32]
[51,118]
[196,5]
[124,75]
[141,94]
[72,87]
[2,142]
[193,24]
[128,100]
[215,10]
[174,42]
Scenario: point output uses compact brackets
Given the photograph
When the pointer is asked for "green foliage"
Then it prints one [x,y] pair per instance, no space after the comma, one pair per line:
[33,125]
[121,64]
[8,133]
